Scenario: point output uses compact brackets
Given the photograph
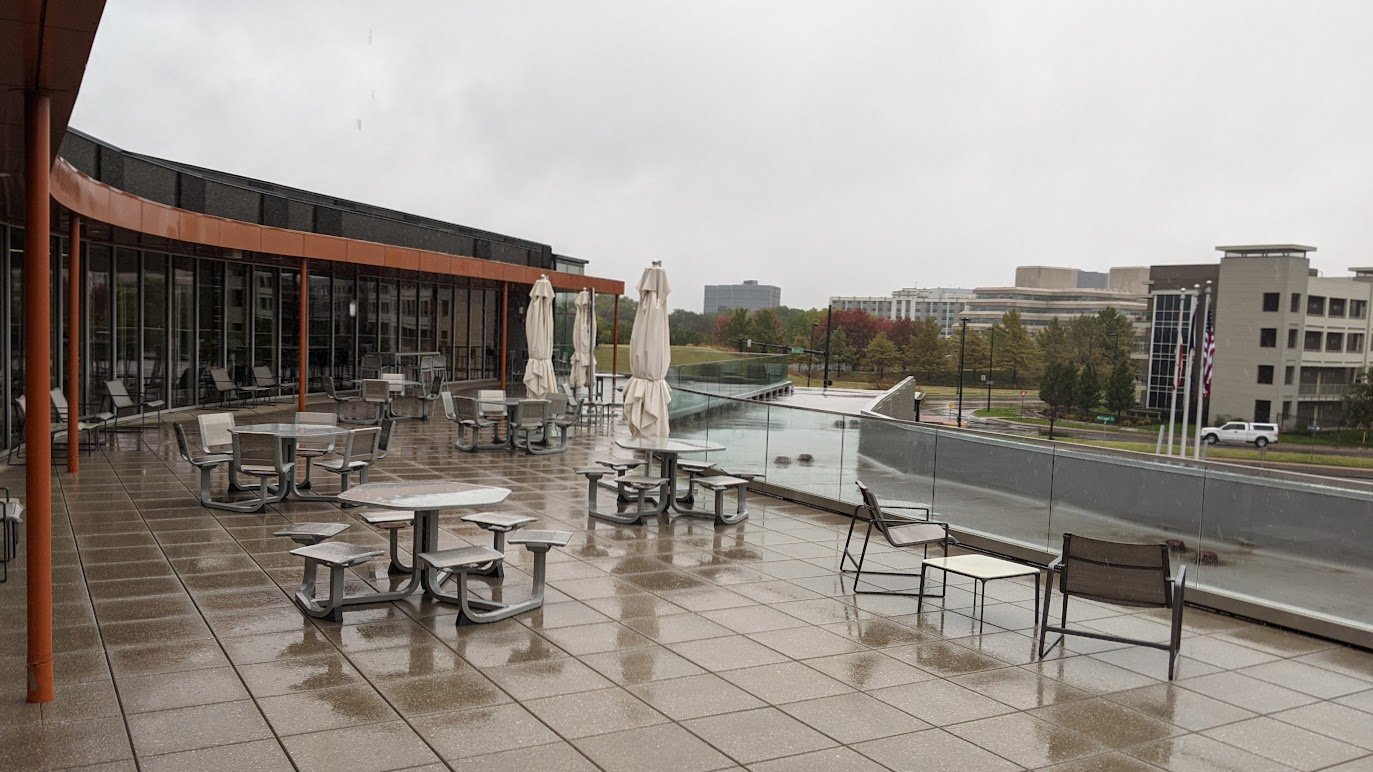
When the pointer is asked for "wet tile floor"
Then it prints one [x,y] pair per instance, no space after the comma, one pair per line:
[669,646]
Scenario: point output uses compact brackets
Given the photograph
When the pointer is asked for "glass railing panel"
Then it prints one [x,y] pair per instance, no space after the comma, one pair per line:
[895,459]
[807,450]
[993,486]
[1290,540]
[1126,497]
[741,427]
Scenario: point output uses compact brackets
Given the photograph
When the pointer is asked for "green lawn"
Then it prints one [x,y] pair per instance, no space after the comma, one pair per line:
[1240,454]
[681,355]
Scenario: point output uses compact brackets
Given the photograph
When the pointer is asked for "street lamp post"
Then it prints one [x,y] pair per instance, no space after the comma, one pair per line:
[991,351]
[962,349]
[810,355]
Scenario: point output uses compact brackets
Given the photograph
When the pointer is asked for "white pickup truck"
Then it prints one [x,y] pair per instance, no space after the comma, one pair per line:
[1237,431]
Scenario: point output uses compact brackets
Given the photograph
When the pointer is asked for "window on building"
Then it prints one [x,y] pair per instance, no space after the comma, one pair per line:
[1268,337]
[1288,374]
[1270,301]
[1337,306]
[1296,302]
[1265,374]
[1334,341]
[1315,305]
[1291,338]
[1312,342]
[1354,343]
[1358,309]
[1263,411]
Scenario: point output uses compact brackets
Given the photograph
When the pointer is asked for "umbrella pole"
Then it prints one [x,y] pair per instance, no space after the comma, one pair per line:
[505,318]
[614,346]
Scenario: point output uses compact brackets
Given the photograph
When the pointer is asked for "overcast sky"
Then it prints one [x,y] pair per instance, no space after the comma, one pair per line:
[840,147]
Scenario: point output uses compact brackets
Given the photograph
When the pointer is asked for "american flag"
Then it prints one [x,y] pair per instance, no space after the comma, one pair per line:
[1208,353]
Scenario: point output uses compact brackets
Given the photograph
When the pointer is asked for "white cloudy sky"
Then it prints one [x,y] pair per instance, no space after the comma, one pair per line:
[841,147]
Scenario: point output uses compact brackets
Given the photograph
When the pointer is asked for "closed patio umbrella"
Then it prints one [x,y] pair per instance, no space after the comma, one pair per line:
[647,395]
[583,343]
[539,380]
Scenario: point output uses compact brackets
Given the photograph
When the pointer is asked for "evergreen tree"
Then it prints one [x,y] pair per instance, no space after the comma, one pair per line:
[1020,356]
[880,355]
[1358,405]
[925,352]
[1057,390]
[764,327]
[1087,394]
[1120,388]
[1053,344]
[840,353]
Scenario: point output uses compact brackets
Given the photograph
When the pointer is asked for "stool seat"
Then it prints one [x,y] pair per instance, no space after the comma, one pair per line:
[461,557]
[640,481]
[592,470]
[542,538]
[619,465]
[695,466]
[337,553]
[498,521]
[12,511]
[311,533]
[720,482]
[388,518]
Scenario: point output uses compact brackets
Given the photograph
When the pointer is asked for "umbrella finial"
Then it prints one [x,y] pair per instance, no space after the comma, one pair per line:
[658,263]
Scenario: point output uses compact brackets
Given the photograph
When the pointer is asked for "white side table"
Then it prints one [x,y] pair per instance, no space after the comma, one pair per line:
[981,569]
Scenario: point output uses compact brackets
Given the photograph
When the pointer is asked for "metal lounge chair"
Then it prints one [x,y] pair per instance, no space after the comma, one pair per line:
[331,390]
[1119,573]
[11,515]
[61,410]
[224,386]
[263,379]
[121,401]
[900,531]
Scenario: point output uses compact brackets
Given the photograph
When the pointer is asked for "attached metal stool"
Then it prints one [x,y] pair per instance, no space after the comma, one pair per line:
[310,534]
[719,484]
[338,556]
[392,521]
[499,524]
[11,515]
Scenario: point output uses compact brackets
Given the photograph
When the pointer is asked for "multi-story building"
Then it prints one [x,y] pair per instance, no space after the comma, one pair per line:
[1044,293]
[750,296]
[942,304]
[1289,343]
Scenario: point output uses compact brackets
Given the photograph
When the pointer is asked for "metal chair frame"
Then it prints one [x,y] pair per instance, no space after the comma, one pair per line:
[885,522]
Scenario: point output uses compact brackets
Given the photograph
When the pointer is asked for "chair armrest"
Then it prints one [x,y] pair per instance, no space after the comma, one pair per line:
[1179,580]
[1055,565]
[911,508]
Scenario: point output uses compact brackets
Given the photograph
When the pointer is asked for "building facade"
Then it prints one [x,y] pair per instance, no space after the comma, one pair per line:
[750,296]
[191,268]
[1289,343]
[942,304]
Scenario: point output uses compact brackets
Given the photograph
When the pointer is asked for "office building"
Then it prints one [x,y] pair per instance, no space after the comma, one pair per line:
[750,296]
[942,304]
[1044,293]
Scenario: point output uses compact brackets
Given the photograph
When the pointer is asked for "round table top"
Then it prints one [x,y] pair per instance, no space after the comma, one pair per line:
[420,496]
[669,445]
[293,430]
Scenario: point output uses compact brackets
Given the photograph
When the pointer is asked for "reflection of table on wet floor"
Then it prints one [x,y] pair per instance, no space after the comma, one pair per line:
[981,569]
[668,450]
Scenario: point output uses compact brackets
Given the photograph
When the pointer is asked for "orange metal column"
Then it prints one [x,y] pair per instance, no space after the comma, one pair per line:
[37,381]
[74,341]
[301,380]
[505,314]
[614,345]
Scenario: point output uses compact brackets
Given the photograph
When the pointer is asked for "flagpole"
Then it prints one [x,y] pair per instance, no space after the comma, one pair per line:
[1187,372]
[1204,388]
[1177,358]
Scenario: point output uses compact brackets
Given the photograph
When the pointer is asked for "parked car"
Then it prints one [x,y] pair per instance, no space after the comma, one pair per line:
[1238,431]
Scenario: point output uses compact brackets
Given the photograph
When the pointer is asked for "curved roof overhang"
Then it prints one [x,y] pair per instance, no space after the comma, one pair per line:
[97,201]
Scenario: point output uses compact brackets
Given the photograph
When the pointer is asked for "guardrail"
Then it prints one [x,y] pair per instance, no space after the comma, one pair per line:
[1293,549]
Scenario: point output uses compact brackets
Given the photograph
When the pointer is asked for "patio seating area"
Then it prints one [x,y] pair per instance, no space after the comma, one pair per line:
[678,643]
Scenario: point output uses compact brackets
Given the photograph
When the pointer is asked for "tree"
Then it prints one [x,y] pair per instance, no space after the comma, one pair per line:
[840,353]
[688,328]
[1057,390]
[924,353]
[605,328]
[1358,405]
[881,354]
[731,327]
[1117,336]
[1015,348]
[1120,388]
[1087,394]
[1054,345]
[764,327]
